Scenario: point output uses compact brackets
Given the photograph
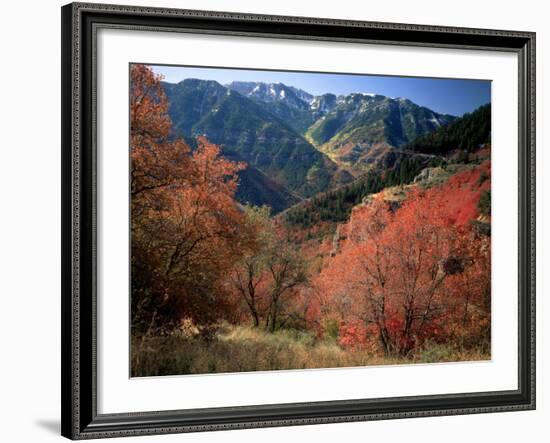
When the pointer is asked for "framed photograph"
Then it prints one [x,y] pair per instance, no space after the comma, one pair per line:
[273,221]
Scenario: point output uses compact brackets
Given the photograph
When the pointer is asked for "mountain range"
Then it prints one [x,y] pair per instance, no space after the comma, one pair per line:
[297,144]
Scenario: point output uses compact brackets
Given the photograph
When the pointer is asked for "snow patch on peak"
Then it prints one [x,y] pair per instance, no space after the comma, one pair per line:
[435,121]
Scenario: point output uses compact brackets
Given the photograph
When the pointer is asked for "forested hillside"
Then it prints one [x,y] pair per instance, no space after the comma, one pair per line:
[336,205]
[401,168]
[467,133]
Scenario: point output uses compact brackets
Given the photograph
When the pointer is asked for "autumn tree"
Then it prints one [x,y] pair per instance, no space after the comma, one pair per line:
[251,270]
[157,161]
[186,226]
[270,273]
[288,271]
[416,271]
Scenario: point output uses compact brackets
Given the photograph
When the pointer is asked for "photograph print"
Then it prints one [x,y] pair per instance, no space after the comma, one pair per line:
[297,220]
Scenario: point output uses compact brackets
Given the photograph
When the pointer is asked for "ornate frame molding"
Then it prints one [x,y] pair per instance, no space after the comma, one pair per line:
[79,392]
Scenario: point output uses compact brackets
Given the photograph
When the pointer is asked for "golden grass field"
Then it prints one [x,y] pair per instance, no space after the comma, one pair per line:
[242,349]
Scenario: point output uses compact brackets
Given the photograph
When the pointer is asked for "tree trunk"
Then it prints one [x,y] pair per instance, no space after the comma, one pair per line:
[385,339]
[255,318]
[273,321]
[252,294]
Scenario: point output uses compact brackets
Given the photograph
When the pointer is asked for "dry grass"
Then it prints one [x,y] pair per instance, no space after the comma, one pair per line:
[243,349]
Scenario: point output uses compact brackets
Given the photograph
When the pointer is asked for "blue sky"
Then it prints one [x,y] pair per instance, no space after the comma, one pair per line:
[447,96]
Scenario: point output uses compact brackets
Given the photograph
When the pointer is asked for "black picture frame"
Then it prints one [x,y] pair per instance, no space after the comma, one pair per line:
[79,170]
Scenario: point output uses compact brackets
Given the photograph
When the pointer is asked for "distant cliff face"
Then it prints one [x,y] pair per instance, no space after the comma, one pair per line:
[360,130]
[354,130]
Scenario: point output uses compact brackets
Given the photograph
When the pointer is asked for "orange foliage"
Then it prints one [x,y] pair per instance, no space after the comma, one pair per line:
[414,273]
[186,227]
